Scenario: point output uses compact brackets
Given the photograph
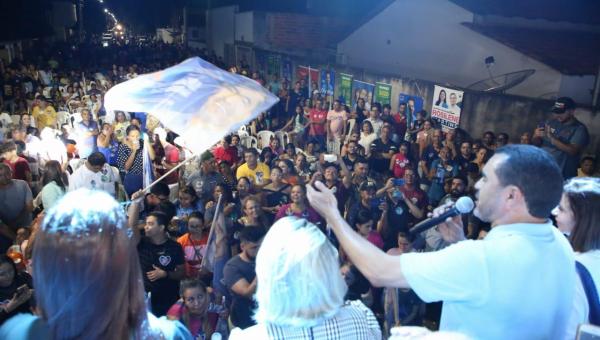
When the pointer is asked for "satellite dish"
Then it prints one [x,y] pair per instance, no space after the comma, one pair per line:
[502,82]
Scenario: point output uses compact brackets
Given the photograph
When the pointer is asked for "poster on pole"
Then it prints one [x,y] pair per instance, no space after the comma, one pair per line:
[346,88]
[383,93]
[447,106]
[362,90]
[302,72]
[413,105]
[327,85]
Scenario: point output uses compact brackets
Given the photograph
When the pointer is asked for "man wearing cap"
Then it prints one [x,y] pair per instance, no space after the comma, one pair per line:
[563,136]
[205,180]
[375,206]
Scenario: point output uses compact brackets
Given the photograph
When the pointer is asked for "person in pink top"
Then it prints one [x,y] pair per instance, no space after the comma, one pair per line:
[299,206]
[196,310]
[336,127]
[400,161]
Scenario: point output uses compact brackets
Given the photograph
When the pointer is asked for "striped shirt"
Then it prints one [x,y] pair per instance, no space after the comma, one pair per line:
[354,321]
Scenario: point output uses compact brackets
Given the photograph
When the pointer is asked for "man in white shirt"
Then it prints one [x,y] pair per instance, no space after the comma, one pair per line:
[510,285]
[95,174]
[454,108]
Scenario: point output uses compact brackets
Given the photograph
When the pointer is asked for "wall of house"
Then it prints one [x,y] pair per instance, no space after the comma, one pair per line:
[244,27]
[220,24]
[426,40]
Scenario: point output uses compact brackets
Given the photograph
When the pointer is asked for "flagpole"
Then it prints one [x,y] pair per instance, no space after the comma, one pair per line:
[168,173]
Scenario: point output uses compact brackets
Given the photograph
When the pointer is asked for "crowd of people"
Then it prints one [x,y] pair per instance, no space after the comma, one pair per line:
[386,175]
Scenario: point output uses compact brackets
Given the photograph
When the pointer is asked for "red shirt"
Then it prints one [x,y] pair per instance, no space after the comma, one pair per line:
[20,168]
[318,118]
[229,154]
[400,165]
[418,197]
[399,124]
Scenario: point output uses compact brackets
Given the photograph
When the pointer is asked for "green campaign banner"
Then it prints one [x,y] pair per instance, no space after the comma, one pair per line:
[383,93]
[346,88]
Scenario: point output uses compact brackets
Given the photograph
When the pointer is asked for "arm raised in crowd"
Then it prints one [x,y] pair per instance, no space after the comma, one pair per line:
[380,268]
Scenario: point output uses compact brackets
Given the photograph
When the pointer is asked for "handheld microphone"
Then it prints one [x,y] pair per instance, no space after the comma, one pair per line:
[463,205]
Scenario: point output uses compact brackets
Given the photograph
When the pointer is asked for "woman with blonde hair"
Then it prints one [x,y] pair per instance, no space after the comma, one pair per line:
[300,291]
[88,280]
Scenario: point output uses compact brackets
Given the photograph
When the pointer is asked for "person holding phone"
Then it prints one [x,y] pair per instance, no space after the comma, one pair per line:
[15,290]
[563,136]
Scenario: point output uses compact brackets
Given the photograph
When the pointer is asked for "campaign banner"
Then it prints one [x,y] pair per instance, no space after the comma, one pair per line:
[383,93]
[274,65]
[346,88]
[302,73]
[327,84]
[363,90]
[192,96]
[414,104]
[447,106]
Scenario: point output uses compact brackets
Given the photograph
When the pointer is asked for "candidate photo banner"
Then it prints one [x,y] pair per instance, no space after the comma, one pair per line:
[327,83]
[447,107]
[413,104]
[346,88]
[383,93]
[363,90]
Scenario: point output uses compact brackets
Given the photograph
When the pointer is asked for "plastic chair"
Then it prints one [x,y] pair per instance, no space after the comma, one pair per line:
[63,117]
[284,138]
[249,142]
[264,138]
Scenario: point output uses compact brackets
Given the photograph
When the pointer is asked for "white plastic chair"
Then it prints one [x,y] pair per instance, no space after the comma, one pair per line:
[249,142]
[242,134]
[16,119]
[264,138]
[284,138]
[63,117]
[243,130]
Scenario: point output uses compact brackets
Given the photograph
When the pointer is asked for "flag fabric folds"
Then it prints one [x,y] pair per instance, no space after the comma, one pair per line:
[195,99]
[216,247]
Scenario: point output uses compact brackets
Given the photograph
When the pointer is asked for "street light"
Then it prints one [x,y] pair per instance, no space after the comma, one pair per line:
[106,10]
[119,27]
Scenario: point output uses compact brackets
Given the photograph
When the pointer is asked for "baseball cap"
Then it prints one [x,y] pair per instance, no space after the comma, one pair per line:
[562,104]
[367,185]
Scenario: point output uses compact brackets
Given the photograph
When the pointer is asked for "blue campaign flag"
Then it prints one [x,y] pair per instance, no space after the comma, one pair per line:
[195,99]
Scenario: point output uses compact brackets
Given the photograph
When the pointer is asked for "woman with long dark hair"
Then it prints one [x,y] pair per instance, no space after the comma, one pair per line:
[15,289]
[88,279]
[441,101]
[577,215]
[54,184]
